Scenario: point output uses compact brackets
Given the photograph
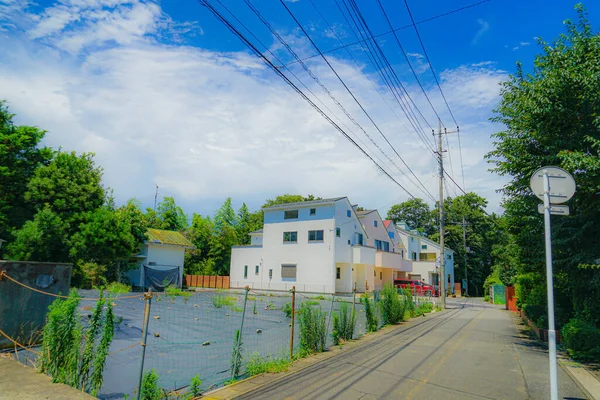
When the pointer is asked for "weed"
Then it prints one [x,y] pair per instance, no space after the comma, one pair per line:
[260,365]
[220,301]
[313,330]
[312,303]
[236,355]
[344,323]
[236,309]
[251,297]
[150,389]
[118,288]
[392,307]
[172,292]
[270,306]
[372,320]
[195,386]
[287,309]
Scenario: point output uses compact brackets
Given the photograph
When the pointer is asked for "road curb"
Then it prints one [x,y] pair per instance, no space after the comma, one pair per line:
[588,384]
[256,382]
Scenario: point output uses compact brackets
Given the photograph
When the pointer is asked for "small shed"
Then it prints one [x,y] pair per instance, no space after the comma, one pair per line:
[160,260]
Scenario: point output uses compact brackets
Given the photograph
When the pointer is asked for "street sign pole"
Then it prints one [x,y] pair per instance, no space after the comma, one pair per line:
[550,287]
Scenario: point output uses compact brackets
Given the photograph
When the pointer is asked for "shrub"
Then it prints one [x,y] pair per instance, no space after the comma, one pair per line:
[259,365]
[392,308]
[423,309]
[118,288]
[346,322]
[287,309]
[582,339]
[372,320]
[195,386]
[409,304]
[236,355]
[64,338]
[150,389]
[313,330]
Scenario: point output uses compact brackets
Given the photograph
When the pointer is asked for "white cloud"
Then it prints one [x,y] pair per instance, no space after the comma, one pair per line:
[484,26]
[515,48]
[524,44]
[206,125]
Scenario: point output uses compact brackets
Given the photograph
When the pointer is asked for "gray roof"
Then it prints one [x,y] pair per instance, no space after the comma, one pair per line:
[304,203]
[364,212]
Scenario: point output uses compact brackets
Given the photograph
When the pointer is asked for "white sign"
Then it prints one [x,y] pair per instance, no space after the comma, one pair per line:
[554,209]
[562,184]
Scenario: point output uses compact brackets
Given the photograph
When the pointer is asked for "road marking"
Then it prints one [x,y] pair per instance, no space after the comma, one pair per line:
[449,351]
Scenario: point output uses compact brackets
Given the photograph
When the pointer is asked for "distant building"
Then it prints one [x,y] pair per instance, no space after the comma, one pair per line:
[160,260]
[316,246]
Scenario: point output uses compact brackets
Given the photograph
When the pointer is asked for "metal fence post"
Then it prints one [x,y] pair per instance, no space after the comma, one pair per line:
[354,300]
[293,320]
[148,301]
[239,340]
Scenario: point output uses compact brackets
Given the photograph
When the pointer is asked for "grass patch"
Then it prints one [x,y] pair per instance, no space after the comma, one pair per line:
[236,309]
[260,365]
[220,301]
[320,297]
[312,303]
[118,288]
[173,291]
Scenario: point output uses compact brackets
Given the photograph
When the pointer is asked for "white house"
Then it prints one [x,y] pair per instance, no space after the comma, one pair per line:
[389,264]
[160,260]
[424,254]
[316,246]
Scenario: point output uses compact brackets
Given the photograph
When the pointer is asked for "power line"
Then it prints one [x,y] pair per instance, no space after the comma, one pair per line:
[429,61]
[273,67]
[398,29]
[350,92]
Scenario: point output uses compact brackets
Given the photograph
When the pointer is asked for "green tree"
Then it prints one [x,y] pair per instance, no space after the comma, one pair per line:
[173,217]
[20,156]
[552,117]
[133,214]
[197,261]
[68,185]
[225,215]
[415,212]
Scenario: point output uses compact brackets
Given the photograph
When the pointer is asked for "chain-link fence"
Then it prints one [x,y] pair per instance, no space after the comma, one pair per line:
[210,333]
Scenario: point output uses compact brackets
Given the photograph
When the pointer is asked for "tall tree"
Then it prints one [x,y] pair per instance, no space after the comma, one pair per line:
[200,233]
[172,216]
[20,156]
[415,212]
[552,117]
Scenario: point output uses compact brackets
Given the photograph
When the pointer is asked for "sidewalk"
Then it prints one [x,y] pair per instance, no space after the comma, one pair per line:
[586,381]
[20,382]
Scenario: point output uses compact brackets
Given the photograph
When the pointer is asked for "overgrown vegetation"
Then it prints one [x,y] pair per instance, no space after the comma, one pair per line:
[582,340]
[220,300]
[313,330]
[287,309]
[344,323]
[259,365]
[118,288]
[196,386]
[236,355]
[422,309]
[392,307]
[150,389]
[372,320]
[74,354]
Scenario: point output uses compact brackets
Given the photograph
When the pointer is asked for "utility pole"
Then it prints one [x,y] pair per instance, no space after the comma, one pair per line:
[442,283]
[155,197]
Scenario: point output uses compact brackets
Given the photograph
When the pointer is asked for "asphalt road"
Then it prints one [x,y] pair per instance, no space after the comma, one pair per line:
[473,351]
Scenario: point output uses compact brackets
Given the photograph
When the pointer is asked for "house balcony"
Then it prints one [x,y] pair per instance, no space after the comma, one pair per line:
[385,259]
[363,255]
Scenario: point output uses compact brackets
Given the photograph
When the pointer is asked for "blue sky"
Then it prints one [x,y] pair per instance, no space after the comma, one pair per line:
[164,94]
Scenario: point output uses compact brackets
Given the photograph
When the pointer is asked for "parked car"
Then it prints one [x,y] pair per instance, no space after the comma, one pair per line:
[417,287]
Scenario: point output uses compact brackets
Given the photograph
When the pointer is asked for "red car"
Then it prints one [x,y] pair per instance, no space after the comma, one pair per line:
[416,287]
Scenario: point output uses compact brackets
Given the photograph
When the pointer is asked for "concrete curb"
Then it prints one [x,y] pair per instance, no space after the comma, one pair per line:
[256,382]
[586,381]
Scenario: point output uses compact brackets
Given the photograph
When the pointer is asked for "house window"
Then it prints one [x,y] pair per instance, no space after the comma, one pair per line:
[315,236]
[449,256]
[245,272]
[391,235]
[338,273]
[256,270]
[386,246]
[291,214]
[313,211]
[380,275]
[414,256]
[375,274]
[290,237]
[288,272]
[270,274]
[360,238]
[378,244]
[402,253]
[375,224]
[424,247]
[338,232]
[348,241]
[349,213]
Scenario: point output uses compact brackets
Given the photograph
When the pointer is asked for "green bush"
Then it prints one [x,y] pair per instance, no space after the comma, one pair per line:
[423,309]
[313,330]
[195,386]
[287,309]
[259,365]
[150,389]
[118,288]
[537,314]
[582,339]
[372,320]
[392,307]
[409,304]
[344,323]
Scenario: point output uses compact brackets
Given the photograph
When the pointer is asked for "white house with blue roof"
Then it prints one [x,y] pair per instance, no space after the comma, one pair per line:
[316,246]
